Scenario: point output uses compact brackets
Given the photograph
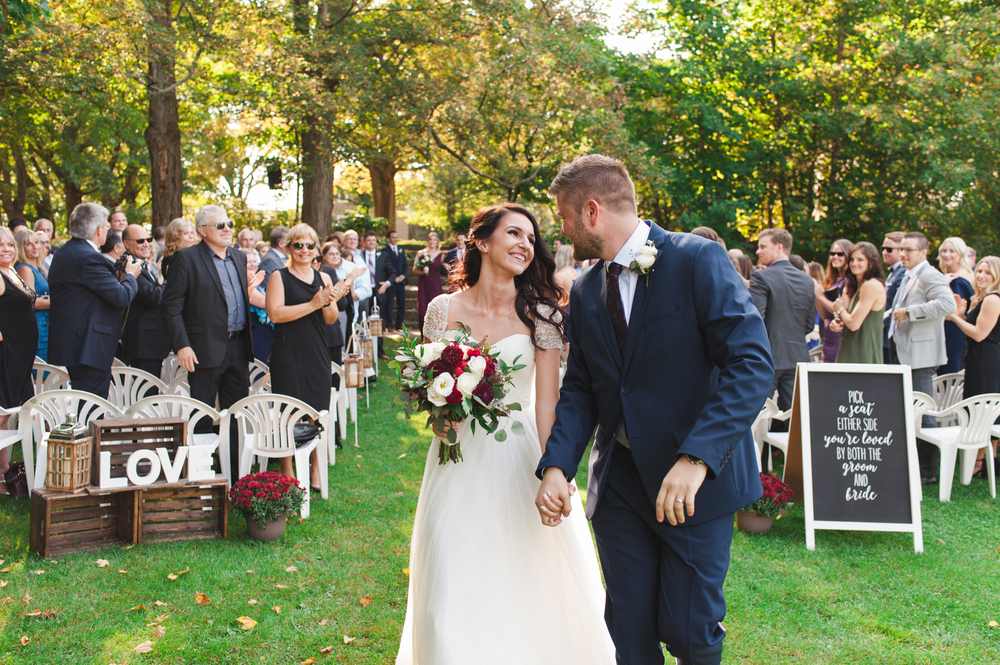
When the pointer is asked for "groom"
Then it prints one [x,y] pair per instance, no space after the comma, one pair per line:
[673,458]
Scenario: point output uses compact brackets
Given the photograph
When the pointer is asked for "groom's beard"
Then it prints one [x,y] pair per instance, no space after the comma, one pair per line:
[587,245]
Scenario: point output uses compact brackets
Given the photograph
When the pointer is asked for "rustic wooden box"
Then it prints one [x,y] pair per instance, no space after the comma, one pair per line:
[124,436]
[196,511]
[64,523]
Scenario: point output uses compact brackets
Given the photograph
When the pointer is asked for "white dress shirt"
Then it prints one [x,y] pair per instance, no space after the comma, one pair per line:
[628,279]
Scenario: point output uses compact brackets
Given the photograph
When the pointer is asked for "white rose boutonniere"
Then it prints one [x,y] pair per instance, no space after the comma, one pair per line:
[643,262]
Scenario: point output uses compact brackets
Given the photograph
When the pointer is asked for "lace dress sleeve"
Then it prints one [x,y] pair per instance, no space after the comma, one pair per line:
[436,318]
[548,336]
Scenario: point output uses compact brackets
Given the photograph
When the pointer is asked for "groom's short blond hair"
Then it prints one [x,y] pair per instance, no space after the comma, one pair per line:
[597,177]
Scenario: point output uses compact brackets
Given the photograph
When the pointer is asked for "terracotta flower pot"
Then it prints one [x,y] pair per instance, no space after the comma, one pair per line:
[752,522]
[272,529]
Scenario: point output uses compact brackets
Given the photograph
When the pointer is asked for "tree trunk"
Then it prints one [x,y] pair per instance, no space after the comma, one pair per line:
[15,185]
[317,178]
[73,194]
[383,172]
[163,133]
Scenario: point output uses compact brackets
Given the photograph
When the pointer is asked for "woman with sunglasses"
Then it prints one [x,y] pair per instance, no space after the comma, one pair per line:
[301,302]
[953,259]
[860,308]
[836,278]
[31,268]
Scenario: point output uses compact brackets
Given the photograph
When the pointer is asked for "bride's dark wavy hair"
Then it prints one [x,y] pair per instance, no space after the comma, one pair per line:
[535,286]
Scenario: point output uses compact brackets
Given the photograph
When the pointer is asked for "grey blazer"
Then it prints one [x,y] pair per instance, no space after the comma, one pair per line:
[920,339]
[785,298]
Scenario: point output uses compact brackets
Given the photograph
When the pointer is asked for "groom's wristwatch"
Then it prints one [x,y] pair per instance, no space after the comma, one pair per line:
[694,460]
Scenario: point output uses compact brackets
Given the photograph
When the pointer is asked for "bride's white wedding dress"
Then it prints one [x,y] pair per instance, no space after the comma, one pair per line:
[489,584]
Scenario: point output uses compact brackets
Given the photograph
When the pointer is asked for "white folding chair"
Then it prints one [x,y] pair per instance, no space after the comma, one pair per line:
[948,391]
[257,370]
[49,377]
[129,385]
[42,413]
[170,369]
[192,411]
[267,430]
[976,416]
[115,362]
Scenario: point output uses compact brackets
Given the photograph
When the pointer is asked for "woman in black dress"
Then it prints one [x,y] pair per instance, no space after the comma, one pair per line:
[980,325]
[18,335]
[301,303]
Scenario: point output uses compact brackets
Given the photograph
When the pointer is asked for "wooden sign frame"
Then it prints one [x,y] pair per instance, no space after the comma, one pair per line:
[798,465]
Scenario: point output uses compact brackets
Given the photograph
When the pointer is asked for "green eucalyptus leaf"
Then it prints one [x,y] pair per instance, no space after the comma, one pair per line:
[517,428]
[500,435]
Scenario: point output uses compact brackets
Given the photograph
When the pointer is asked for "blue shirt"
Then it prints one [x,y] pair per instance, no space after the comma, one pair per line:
[231,288]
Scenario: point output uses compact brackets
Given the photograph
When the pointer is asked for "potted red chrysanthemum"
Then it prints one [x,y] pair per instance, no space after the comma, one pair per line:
[759,515]
[266,500]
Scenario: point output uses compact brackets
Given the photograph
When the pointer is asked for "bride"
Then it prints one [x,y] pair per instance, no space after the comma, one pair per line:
[489,584]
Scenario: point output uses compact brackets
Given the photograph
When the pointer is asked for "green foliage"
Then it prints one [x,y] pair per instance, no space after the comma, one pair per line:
[362,222]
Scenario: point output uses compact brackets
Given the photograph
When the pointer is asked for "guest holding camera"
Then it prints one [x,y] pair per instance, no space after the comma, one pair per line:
[144,339]
[299,302]
[31,269]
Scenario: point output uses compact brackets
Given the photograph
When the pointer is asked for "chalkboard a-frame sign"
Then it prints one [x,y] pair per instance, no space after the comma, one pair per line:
[858,449]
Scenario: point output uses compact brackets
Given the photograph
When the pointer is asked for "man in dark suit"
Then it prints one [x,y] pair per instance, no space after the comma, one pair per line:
[382,275]
[454,256]
[648,324]
[786,300]
[277,256]
[894,272]
[396,293]
[144,340]
[87,302]
[206,311]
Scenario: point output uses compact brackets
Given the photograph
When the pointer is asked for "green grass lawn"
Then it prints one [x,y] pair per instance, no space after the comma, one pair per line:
[860,597]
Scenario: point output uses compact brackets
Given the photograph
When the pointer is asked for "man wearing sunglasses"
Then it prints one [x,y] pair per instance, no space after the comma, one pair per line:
[144,339]
[893,276]
[206,311]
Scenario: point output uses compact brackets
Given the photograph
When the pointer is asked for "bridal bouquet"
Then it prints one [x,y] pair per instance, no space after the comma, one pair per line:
[451,381]
[422,262]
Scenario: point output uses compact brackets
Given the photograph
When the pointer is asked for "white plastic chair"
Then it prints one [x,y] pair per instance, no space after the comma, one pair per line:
[42,413]
[257,370]
[10,436]
[777,439]
[193,411]
[261,386]
[179,385]
[758,429]
[922,404]
[115,362]
[948,391]
[343,397]
[49,377]
[170,369]
[976,416]
[129,385]
[266,425]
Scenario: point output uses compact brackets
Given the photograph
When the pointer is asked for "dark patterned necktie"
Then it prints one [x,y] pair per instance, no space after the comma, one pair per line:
[616,307]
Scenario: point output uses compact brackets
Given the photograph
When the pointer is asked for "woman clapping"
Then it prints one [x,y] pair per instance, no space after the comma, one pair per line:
[859,309]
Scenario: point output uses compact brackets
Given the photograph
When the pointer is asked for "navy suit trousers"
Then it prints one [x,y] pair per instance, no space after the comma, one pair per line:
[686,608]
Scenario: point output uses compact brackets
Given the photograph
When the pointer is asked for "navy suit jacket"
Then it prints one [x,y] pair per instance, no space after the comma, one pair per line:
[144,335]
[85,320]
[398,261]
[695,314]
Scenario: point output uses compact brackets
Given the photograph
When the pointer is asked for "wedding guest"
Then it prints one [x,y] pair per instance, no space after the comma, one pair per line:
[16,223]
[971,253]
[45,226]
[836,278]
[180,234]
[335,337]
[247,239]
[894,275]
[261,328]
[381,274]
[797,262]
[31,269]
[744,266]
[735,253]
[430,261]
[113,248]
[953,259]
[144,339]
[299,300]
[18,336]
[44,247]
[396,295]
[980,324]
[860,308]
[262,248]
[159,236]
[454,256]
[709,234]
[350,243]
[816,271]
[118,221]
[277,256]
[565,274]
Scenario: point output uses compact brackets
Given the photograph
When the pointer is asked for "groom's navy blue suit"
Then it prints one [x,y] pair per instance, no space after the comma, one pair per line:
[664,582]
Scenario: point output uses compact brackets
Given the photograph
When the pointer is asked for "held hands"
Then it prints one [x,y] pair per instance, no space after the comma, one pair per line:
[187,359]
[678,490]
[552,499]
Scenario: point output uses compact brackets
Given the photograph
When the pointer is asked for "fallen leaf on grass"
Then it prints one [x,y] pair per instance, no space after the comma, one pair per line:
[201,599]
[36,613]
[291,569]
[309,661]
[281,586]
[401,456]
[406,571]
[6,600]
[24,640]
[102,563]
[366,601]
[37,572]
[326,650]
[940,541]
[181,572]
[160,619]
[26,598]
[137,607]
[993,624]
[145,647]
[159,632]
[7,569]
[128,547]
[159,602]
[246,623]
[324,622]
[277,609]
[252,601]
[171,577]
[348,639]
[250,572]
[3,583]
[123,572]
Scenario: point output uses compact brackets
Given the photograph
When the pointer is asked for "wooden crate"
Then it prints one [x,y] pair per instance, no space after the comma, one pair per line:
[195,511]
[124,436]
[64,523]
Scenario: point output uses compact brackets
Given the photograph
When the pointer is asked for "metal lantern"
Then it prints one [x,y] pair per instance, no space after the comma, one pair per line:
[69,457]
[375,322]
[354,376]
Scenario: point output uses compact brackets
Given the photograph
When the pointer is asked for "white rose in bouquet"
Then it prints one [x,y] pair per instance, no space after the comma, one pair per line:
[477,365]
[430,352]
[467,382]
[440,388]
